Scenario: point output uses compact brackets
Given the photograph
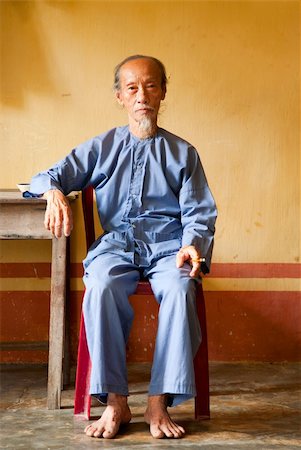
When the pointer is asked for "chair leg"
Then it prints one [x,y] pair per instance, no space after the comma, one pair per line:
[201,366]
[82,402]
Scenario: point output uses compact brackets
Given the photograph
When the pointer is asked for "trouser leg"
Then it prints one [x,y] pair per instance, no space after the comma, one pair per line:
[178,335]
[108,318]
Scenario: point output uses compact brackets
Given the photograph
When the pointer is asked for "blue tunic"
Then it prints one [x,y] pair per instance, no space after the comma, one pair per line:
[153,191]
[152,199]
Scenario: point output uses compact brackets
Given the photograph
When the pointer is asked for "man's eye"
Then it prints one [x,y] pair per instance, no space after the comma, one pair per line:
[131,88]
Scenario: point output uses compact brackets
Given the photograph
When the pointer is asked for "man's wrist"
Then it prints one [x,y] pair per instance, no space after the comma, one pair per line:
[50,191]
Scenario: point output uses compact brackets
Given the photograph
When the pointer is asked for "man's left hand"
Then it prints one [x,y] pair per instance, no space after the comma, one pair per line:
[192,256]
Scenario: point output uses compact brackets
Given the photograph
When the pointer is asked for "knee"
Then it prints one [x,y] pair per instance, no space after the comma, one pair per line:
[183,285]
[97,282]
[99,294]
[178,292]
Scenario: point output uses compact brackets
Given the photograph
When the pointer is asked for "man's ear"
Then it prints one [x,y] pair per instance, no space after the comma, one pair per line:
[118,98]
[163,93]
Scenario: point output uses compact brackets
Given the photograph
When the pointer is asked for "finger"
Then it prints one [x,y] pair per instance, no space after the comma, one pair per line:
[54,222]
[193,253]
[58,230]
[67,227]
[51,220]
[58,221]
[180,259]
[195,269]
[47,218]
[67,220]
[182,256]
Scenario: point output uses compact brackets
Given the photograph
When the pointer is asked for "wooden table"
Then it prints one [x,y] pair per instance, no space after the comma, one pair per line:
[22,218]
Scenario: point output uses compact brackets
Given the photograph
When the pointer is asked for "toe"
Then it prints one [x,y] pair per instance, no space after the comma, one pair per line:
[156,432]
[97,433]
[109,434]
[177,430]
[90,430]
[177,434]
[168,431]
[181,429]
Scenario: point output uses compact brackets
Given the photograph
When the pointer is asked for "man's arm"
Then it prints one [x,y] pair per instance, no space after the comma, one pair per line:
[198,216]
[72,173]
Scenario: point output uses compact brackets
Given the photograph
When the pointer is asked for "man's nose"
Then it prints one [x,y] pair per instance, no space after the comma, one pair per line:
[141,95]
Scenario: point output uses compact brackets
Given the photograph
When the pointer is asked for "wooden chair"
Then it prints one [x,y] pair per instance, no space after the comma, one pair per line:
[82,402]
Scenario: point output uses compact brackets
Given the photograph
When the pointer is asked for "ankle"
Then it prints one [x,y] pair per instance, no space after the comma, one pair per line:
[117,399]
[158,400]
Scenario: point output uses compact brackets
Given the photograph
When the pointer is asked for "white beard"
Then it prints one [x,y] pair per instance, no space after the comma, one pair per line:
[146,126]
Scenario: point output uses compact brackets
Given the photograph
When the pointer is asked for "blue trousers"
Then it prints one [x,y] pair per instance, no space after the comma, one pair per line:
[110,279]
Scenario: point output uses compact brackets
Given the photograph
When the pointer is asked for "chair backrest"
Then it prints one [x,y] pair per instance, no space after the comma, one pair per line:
[87,204]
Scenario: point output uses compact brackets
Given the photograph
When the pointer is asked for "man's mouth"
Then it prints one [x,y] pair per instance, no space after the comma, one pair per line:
[145,109]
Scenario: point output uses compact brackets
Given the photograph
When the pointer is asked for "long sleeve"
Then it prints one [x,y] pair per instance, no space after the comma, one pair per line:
[70,174]
[150,193]
[198,209]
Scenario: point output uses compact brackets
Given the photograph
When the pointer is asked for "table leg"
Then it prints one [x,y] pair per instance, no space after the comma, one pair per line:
[57,322]
[66,357]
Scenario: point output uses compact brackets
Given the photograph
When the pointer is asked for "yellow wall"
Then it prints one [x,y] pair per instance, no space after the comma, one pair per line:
[233,92]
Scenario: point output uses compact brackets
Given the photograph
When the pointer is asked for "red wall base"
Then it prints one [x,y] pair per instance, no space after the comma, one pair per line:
[249,326]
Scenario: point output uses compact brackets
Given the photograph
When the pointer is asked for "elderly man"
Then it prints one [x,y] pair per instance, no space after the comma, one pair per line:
[159,217]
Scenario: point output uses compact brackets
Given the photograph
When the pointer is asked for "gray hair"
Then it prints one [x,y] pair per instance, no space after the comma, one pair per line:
[132,58]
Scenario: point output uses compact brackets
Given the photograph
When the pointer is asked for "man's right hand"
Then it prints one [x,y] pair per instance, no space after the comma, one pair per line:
[58,215]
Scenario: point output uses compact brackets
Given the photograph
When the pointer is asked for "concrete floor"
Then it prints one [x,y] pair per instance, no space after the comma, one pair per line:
[253,406]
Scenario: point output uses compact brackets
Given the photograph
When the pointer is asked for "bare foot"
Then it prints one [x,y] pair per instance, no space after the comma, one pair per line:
[160,422]
[116,413]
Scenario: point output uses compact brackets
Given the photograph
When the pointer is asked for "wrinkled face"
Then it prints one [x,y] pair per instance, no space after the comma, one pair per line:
[140,89]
